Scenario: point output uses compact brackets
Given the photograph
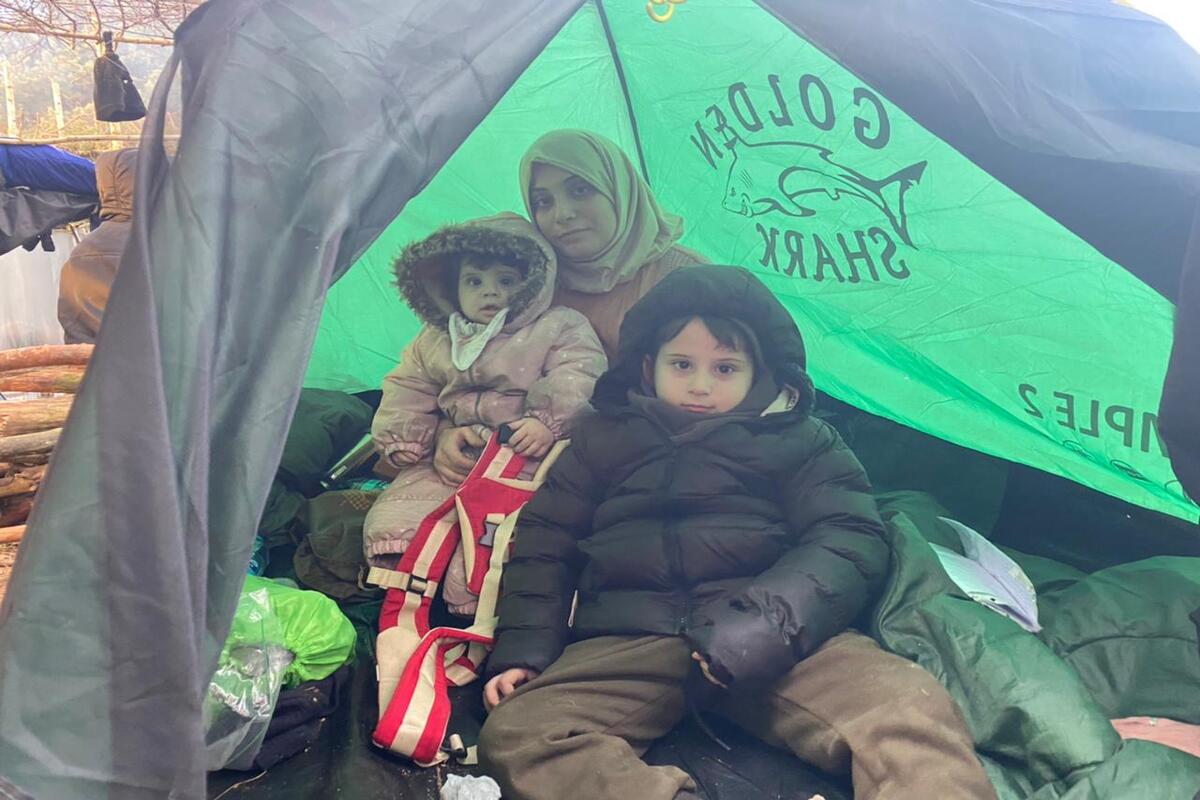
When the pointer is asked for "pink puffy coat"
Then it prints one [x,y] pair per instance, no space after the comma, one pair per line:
[543,364]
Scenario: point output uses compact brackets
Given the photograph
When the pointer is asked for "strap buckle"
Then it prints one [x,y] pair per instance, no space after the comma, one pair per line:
[404,581]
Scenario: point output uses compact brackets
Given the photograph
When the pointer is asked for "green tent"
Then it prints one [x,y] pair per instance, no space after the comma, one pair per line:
[927,288]
[975,209]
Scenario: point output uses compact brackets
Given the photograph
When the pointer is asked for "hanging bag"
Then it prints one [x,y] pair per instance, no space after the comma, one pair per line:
[116,98]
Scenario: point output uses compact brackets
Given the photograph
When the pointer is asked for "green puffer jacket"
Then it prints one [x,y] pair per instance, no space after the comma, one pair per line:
[755,536]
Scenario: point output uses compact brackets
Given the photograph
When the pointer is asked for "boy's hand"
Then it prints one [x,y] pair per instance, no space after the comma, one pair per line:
[504,684]
[449,461]
[531,437]
[699,659]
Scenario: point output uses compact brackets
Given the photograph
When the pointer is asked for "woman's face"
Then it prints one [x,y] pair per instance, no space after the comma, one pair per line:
[577,219]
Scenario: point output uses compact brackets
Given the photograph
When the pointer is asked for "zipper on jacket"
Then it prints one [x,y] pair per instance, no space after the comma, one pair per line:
[675,551]
[675,563]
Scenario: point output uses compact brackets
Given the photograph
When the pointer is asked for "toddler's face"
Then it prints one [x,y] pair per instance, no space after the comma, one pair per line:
[485,288]
[697,373]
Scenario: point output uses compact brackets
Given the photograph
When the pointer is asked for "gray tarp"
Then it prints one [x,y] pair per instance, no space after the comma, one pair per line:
[317,121]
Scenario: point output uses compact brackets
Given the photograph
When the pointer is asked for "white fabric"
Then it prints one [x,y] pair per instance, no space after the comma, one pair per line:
[785,401]
[467,338]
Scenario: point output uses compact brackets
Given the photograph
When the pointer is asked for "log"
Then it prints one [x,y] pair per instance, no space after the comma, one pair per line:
[28,443]
[15,510]
[12,535]
[30,416]
[24,473]
[14,485]
[31,460]
[19,481]
[42,379]
[29,473]
[46,355]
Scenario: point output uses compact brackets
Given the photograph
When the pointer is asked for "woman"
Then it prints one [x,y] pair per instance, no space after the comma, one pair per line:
[614,243]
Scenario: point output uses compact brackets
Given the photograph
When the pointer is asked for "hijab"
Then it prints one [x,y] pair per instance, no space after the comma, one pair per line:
[644,231]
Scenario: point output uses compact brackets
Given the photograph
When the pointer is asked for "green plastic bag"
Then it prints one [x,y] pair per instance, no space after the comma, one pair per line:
[314,629]
[241,697]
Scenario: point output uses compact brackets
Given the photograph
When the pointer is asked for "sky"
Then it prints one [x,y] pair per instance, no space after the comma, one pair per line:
[1182,15]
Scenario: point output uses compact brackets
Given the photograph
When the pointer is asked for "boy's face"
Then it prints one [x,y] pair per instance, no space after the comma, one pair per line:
[484,288]
[697,373]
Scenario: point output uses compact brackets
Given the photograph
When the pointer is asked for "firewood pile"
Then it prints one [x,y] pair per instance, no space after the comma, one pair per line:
[29,429]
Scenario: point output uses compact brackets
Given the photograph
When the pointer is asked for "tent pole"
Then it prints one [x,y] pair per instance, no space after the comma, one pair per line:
[612,48]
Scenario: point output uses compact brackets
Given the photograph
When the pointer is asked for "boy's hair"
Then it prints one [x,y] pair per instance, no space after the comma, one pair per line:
[455,263]
[728,332]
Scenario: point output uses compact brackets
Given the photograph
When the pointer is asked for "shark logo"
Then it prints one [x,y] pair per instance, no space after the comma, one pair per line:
[779,177]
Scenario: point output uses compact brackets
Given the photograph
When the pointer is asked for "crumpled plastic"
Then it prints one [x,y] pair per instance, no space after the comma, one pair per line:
[468,787]
[241,697]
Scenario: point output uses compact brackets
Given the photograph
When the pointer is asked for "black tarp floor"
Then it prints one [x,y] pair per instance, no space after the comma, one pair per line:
[345,764]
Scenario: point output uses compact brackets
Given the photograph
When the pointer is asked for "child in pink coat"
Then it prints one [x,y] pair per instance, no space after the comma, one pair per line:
[492,351]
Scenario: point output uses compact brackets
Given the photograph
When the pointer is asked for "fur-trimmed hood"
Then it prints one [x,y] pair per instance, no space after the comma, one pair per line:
[421,268]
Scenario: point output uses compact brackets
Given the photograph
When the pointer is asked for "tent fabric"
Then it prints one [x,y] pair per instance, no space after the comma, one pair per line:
[1180,406]
[1093,118]
[124,588]
[1003,258]
[1011,219]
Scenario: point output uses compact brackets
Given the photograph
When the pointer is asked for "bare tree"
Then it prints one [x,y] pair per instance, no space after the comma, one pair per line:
[132,21]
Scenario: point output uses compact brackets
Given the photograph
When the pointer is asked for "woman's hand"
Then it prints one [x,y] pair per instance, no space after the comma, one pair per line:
[449,461]
[504,684]
[699,659]
[531,437]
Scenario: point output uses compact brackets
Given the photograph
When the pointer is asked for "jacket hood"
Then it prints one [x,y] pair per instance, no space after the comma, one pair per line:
[422,268]
[712,291]
[116,173]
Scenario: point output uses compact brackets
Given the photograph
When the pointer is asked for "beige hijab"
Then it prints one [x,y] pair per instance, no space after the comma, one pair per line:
[644,230]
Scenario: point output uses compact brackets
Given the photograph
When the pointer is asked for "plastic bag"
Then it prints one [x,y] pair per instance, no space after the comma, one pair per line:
[465,787]
[241,697]
[314,629]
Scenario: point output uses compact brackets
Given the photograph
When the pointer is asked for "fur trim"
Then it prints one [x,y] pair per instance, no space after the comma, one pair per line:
[421,267]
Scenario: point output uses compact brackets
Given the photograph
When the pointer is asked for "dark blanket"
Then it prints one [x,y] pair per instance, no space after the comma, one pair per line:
[25,214]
